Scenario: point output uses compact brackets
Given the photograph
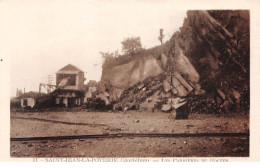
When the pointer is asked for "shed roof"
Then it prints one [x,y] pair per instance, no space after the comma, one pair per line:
[32,94]
[69,68]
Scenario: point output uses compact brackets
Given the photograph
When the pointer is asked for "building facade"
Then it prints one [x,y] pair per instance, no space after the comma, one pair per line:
[70,86]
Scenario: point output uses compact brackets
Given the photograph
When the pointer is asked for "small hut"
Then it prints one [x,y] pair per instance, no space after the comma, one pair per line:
[30,99]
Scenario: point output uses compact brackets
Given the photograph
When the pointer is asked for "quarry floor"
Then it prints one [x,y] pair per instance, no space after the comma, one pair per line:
[46,124]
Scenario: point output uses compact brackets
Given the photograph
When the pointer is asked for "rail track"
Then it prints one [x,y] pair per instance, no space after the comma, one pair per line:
[120,135]
[56,121]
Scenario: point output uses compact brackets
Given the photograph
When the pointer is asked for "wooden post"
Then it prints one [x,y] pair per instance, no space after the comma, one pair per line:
[40,86]
[161,36]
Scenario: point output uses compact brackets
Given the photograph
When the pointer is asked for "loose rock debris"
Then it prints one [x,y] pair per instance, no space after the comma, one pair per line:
[167,93]
[97,104]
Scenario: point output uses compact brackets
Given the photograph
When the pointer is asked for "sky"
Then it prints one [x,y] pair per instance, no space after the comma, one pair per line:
[41,37]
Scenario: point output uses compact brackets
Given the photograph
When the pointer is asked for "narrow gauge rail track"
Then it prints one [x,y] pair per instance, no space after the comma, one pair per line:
[56,121]
[120,135]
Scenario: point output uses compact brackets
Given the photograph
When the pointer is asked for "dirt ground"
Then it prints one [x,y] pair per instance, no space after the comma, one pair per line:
[44,124]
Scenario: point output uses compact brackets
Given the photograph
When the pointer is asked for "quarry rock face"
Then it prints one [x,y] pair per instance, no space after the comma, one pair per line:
[205,64]
[119,78]
[217,45]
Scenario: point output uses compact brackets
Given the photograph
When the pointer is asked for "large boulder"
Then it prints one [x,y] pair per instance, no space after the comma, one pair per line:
[166,107]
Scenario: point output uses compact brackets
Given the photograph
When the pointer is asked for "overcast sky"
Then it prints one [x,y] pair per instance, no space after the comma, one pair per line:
[43,36]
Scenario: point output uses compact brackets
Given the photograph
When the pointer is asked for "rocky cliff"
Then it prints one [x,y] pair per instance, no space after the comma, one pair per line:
[206,62]
[217,45]
[118,78]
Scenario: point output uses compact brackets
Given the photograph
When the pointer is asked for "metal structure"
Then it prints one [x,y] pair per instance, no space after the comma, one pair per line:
[49,87]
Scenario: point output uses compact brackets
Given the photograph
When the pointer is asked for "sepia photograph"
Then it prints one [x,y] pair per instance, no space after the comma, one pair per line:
[115,79]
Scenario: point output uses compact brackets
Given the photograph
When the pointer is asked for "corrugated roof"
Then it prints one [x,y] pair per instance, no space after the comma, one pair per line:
[70,68]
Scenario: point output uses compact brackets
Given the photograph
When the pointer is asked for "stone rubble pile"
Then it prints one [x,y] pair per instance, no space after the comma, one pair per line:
[166,93]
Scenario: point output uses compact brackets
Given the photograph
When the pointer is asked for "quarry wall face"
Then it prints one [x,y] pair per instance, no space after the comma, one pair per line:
[210,54]
[118,78]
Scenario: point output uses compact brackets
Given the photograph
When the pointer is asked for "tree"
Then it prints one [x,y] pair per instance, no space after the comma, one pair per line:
[131,45]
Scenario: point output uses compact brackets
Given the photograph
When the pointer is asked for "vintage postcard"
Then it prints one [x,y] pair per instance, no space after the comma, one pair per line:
[128,81]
